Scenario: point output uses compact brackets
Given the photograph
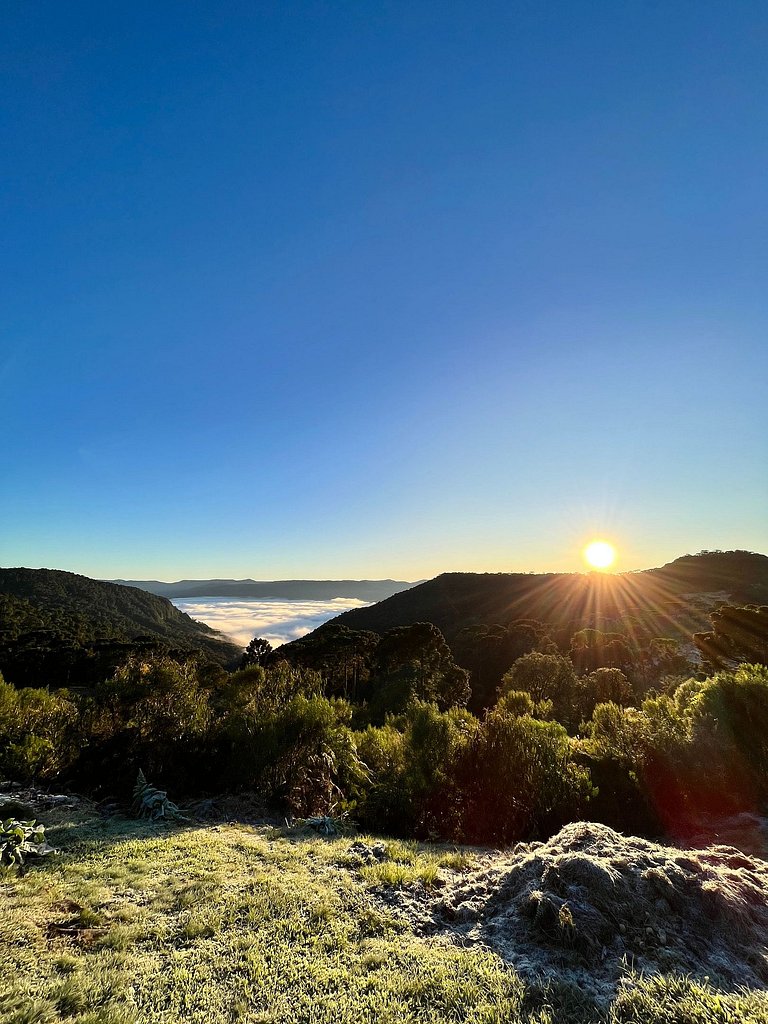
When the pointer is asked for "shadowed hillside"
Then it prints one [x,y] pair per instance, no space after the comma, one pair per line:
[59,617]
[673,600]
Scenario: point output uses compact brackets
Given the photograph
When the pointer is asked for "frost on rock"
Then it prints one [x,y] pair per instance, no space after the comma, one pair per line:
[363,853]
[590,902]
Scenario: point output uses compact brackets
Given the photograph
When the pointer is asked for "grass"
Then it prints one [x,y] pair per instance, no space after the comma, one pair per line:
[135,922]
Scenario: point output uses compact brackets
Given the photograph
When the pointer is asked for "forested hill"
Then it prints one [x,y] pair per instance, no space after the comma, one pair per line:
[673,600]
[54,609]
[303,590]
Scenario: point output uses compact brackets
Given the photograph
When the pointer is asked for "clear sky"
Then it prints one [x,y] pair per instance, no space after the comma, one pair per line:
[381,289]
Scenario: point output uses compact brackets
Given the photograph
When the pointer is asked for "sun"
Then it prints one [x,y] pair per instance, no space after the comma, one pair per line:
[600,554]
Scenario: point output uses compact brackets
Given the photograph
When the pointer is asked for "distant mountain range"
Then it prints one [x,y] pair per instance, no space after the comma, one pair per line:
[304,590]
[673,600]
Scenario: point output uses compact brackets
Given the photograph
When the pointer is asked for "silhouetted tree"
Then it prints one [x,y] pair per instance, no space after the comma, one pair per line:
[546,677]
[415,662]
[257,652]
[592,649]
[488,651]
[738,635]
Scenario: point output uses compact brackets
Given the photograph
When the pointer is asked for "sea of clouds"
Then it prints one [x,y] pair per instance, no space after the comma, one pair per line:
[277,620]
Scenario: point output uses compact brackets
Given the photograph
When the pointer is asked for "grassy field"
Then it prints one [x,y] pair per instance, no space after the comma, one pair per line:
[152,923]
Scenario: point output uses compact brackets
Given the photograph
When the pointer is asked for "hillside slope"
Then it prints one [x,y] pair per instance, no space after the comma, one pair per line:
[672,600]
[79,609]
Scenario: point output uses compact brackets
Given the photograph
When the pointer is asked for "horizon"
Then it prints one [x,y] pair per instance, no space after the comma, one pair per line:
[381,292]
[584,570]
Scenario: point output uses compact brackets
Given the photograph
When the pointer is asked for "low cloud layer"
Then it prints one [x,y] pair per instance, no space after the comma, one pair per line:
[277,621]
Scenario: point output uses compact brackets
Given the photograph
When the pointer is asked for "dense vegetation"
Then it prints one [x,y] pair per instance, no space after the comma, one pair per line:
[60,629]
[393,730]
[510,732]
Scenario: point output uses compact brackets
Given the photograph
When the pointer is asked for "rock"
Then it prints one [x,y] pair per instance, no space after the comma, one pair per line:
[17,809]
[373,854]
[590,895]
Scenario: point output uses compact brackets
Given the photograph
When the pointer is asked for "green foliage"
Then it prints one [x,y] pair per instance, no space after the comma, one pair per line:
[426,766]
[411,764]
[20,840]
[600,687]
[152,712]
[61,629]
[617,733]
[37,732]
[546,677]
[519,777]
[702,749]
[284,738]
[153,803]
[158,698]
[309,754]
[517,703]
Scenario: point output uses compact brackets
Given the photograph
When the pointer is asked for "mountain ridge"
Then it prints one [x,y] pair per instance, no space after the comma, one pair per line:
[364,590]
[657,600]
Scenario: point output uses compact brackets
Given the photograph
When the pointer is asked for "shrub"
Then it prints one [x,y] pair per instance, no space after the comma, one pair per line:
[411,771]
[38,732]
[600,687]
[151,712]
[518,777]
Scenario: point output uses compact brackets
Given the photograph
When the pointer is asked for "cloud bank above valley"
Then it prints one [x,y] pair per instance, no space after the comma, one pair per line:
[277,621]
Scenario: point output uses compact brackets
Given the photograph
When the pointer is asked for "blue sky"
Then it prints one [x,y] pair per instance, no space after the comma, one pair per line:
[356,289]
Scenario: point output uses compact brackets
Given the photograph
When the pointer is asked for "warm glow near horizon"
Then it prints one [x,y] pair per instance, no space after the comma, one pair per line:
[600,554]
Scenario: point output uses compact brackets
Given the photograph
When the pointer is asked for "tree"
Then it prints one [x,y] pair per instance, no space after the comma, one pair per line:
[415,663]
[603,686]
[738,635]
[342,656]
[518,778]
[488,651]
[257,652]
[592,649]
[544,677]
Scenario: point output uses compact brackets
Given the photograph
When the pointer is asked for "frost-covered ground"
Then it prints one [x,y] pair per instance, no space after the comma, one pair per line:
[231,919]
[590,903]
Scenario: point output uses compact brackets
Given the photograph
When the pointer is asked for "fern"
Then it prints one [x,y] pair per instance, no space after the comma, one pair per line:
[150,802]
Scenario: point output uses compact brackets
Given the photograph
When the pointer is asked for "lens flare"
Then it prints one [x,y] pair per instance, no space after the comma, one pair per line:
[600,554]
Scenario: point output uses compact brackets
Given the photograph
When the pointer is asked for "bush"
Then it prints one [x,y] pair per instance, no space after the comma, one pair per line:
[545,677]
[602,686]
[518,778]
[38,732]
[411,770]
[152,712]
